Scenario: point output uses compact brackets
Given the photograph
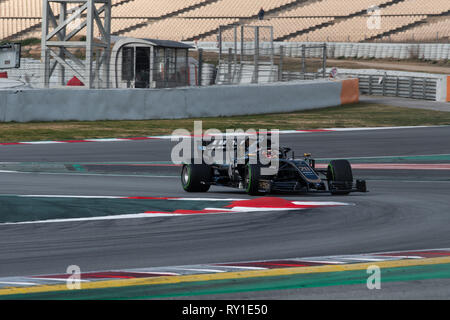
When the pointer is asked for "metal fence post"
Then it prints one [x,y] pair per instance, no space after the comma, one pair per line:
[397,87]
[220,44]
[324,61]
[45,56]
[411,80]
[230,61]
[186,66]
[235,51]
[242,44]
[200,66]
[424,88]
[61,36]
[303,59]
[280,64]
[256,56]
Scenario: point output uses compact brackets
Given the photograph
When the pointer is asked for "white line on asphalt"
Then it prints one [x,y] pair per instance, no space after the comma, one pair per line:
[133,198]
[320,261]
[408,181]
[68,196]
[358,258]
[239,267]
[42,142]
[58,279]
[107,140]
[390,157]
[324,203]
[19,283]
[90,174]
[200,270]
[381,128]
[112,217]
[150,272]
[401,257]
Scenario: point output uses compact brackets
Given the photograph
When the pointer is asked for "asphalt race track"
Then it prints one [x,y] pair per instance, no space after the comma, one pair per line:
[404,210]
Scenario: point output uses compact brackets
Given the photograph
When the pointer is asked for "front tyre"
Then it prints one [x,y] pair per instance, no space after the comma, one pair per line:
[340,177]
[196,177]
[252,177]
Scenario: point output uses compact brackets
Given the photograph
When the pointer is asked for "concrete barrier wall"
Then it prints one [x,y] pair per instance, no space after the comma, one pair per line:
[138,104]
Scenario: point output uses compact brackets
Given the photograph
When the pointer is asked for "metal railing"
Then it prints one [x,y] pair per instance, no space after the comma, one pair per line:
[397,86]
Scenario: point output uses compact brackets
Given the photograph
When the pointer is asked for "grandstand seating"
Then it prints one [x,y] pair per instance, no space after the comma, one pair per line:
[425,32]
[233,8]
[29,8]
[293,20]
[411,7]
[356,30]
[283,27]
[9,27]
[332,8]
[157,8]
[21,9]
[179,28]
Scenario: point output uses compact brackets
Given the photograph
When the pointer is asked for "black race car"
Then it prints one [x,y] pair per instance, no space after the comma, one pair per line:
[293,175]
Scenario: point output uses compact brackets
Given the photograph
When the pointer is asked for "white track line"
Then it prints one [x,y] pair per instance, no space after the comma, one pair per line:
[90,174]
[239,267]
[357,258]
[200,270]
[320,261]
[380,128]
[19,283]
[112,217]
[130,198]
[58,279]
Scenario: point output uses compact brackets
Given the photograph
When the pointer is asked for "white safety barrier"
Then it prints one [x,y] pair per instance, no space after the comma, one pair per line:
[415,85]
[427,51]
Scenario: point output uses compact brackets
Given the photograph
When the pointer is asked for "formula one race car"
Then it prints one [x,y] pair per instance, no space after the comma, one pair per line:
[293,175]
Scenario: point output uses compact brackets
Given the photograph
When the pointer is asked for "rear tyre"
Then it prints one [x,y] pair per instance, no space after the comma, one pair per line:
[341,176]
[252,177]
[196,177]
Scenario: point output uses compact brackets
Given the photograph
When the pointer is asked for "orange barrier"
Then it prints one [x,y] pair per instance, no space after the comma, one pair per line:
[350,91]
[448,89]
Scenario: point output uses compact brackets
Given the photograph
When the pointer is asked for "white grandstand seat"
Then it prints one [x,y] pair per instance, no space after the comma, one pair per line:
[332,8]
[356,30]
[157,8]
[236,8]
[179,28]
[425,32]
[410,7]
[200,18]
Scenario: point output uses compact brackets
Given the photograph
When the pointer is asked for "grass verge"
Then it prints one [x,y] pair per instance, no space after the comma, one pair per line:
[355,115]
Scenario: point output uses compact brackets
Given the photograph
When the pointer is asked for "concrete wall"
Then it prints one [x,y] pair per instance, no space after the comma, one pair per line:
[136,104]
